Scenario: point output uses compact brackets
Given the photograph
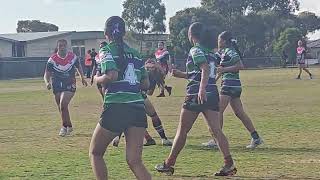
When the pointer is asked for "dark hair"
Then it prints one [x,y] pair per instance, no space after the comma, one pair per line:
[204,34]
[62,41]
[230,42]
[89,51]
[115,29]
[102,44]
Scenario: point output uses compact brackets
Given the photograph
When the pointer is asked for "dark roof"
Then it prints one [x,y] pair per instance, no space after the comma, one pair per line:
[31,36]
[314,44]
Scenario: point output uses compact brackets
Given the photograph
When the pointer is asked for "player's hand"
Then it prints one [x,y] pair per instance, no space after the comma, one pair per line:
[220,70]
[84,82]
[176,73]
[202,96]
[49,86]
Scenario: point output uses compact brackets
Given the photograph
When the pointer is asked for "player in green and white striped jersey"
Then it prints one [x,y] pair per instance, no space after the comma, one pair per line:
[202,96]
[124,76]
[231,86]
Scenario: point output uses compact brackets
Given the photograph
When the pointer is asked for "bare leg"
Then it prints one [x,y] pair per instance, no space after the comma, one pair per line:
[187,118]
[212,118]
[307,71]
[57,98]
[238,110]
[300,71]
[224,101]
[134,146]
[100,140]
[156,121]
[64,103]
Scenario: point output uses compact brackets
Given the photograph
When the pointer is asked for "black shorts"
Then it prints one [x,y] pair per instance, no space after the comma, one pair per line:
[212,103]
[59,86]
[119,117]
[233,92]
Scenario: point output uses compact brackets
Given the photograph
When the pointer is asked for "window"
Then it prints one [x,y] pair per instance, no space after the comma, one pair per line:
[78,48]
[18,49]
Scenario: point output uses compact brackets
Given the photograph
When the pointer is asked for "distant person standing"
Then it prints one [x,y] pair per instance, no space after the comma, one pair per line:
[163,58]
[301,61]
[88,64]
[93,55]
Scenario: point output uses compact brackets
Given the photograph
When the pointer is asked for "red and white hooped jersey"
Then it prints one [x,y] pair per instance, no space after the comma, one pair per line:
[162,55]
[63,67]
[301,50]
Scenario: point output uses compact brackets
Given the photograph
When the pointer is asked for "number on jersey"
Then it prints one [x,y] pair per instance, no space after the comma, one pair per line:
[130,74]
[212,70]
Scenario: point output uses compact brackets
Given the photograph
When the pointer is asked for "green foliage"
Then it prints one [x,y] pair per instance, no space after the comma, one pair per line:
[255,23]
[180,23]
[35,26]
[144,15]
[287,42]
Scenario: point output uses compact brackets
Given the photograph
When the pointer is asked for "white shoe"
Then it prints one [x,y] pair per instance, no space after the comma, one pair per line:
[166,142]
[69,130]
[63,131]
[116,141]
[210,144]
[255,143]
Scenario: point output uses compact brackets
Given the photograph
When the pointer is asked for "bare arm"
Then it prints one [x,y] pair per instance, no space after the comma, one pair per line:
[179,74]
[47,76]
[202,96]
[234,68]
[145,83]
[80,72]
[109,77]
[204,76]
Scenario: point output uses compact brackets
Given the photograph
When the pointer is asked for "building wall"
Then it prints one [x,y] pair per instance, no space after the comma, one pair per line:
[92,43]
[315,53]
[5,49]
[45,47]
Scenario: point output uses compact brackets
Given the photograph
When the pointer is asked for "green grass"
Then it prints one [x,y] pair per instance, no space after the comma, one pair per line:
[285,111]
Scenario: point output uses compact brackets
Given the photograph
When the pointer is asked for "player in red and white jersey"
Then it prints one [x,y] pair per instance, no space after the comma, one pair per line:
[60,77]
[301,55]
[163,58]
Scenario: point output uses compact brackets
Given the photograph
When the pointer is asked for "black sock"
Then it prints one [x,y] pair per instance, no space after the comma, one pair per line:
[158,125]
[255,135]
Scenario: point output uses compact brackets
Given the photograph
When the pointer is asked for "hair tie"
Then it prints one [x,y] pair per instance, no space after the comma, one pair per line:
[115,29]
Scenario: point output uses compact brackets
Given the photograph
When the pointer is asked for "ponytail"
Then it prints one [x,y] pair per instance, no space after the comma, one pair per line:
[235,46]
[231,42]
[115,30]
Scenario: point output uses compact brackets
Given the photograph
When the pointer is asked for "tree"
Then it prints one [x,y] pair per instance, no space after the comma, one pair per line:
[35,26]
[308,22]
[180,23]
[143,15]
[287,42]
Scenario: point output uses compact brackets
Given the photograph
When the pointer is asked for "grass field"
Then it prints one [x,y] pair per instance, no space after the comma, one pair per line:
[285,111]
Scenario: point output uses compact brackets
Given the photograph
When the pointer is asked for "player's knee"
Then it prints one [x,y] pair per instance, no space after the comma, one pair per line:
[216,132]
[63,107]
[133,161]
[93,152]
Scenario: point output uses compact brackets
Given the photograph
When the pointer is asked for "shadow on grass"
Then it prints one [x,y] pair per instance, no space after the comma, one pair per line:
[260,149]
[204,177]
